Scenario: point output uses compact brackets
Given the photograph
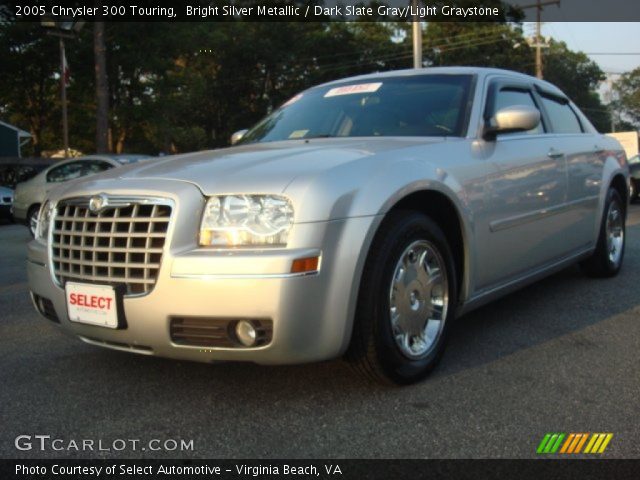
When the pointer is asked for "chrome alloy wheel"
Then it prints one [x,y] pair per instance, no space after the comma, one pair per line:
[615,232]
[418,299]
[33,222]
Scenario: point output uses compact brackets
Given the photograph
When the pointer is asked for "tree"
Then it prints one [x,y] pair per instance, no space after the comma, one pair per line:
[504,46]
[627,90]
[176,87]
[498,45]
[29,90]
[102,88]
[578,77]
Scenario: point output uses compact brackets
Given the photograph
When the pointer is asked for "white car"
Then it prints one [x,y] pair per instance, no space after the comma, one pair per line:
[30,194]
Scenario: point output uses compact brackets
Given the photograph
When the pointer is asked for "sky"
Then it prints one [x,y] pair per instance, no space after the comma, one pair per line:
[600,37]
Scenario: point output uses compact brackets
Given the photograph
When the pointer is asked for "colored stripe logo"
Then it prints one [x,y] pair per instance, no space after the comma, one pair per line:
[569,443]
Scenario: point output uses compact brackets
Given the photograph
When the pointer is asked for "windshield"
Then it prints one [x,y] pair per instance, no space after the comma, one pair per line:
[427,105]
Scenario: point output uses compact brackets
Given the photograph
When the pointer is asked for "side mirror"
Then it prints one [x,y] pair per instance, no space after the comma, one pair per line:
[236,137]
[516,118]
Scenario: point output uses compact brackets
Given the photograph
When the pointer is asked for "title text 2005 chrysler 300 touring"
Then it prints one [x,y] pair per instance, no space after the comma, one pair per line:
[358,219]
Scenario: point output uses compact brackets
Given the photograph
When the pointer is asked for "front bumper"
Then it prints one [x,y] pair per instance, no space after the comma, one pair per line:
[311,314]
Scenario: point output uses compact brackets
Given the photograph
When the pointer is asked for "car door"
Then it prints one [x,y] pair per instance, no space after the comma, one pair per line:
[521,229]
[582,152]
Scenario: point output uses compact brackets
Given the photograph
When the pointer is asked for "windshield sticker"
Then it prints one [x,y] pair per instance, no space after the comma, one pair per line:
[298,133]
[292,100]
[352,89]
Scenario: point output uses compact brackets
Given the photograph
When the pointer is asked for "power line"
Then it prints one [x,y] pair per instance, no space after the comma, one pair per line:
[611,53]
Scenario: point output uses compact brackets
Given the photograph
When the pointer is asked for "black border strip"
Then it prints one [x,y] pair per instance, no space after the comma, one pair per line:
[566,469]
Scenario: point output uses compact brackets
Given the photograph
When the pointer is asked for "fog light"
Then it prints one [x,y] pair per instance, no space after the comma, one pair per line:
[246,333]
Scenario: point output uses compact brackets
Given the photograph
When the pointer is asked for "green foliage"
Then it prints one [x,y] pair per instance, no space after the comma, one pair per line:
[504,46]
[28,83]
[176,87]
[627,89]
[498,45]
[578,77]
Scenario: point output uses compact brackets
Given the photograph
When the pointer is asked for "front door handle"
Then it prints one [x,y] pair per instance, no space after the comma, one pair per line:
[553,153]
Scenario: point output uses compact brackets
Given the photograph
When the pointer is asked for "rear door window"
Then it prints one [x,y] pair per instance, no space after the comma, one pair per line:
[563,118]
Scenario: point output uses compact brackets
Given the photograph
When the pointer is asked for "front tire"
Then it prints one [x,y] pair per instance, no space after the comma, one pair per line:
[406,302]
[606,260]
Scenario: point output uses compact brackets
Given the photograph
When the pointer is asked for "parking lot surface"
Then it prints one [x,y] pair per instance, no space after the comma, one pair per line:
[562,355]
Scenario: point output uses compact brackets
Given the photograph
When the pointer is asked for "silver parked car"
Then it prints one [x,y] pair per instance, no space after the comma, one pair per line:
[359,219]
[30,194]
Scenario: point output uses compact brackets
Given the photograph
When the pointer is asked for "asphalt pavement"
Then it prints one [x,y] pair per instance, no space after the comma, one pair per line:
[562,355]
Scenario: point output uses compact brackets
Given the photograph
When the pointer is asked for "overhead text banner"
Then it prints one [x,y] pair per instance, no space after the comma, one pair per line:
[321,10]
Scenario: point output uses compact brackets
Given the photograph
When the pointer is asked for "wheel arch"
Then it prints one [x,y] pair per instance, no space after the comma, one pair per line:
[442,210]
[440,204]
[620,184]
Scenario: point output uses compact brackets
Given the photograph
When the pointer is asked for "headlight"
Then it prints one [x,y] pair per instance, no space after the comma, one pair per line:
[44,221]
[246,220]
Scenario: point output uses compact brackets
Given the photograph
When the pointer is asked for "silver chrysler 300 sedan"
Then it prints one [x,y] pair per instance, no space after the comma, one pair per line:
[358,219]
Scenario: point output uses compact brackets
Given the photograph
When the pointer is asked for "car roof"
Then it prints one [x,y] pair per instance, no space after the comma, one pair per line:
[121,158]
[114,159]
[479,71]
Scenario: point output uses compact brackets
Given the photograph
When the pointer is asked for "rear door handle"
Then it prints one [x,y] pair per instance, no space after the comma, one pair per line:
[553,153]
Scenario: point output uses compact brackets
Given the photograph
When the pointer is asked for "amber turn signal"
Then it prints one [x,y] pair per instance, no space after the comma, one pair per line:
[304,265]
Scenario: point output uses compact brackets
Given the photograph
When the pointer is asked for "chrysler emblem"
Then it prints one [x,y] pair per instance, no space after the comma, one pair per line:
[98,203]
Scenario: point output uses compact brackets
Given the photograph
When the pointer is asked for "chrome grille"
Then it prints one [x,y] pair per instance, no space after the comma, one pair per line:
[120,245]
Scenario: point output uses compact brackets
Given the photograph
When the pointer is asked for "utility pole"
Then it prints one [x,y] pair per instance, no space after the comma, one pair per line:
[609,97]
[102,87]
[417,36]
[62,30]
[538,6]
[538,42]
[63,98]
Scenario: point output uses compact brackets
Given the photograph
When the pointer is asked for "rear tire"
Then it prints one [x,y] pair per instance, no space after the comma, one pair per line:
[406,302]
[606,260]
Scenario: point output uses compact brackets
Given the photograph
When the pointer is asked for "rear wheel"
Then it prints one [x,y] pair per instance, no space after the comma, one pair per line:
[406,302]
[607,258]
[32,219]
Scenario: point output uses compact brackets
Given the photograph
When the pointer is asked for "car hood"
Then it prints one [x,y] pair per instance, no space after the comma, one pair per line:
[263,167]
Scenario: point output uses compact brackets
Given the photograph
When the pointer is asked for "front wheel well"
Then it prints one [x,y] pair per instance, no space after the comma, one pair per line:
[619,183]
[441,210]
